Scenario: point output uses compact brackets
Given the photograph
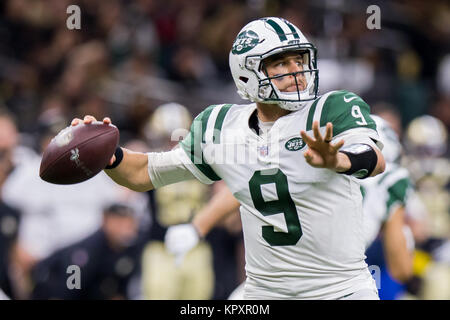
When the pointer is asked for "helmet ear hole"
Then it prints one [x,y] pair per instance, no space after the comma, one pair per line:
[243,79]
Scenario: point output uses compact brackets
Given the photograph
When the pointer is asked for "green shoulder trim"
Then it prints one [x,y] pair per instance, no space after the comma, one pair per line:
[346,110]
[219,122]
[192,144]
[204,117]
[312,110]
[363,191]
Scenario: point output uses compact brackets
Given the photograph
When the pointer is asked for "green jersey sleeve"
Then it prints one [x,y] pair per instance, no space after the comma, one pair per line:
[211,118]
[344,109]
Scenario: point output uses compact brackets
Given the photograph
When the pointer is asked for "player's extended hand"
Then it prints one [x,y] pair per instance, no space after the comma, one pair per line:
[88,120]
[321,152]
[180,239]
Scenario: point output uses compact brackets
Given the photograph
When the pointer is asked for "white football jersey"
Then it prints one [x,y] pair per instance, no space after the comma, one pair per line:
[383,194]
[303,227]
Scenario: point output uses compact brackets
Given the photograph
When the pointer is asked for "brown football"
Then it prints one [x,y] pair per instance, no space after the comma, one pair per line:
[78,153]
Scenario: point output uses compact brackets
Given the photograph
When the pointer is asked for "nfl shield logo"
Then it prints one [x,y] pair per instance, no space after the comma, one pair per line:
[263,151]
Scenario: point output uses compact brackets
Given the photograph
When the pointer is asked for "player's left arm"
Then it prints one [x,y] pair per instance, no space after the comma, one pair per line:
[343,114]
[322,153]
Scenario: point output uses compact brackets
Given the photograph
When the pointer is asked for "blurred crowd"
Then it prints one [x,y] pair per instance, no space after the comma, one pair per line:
[129,58]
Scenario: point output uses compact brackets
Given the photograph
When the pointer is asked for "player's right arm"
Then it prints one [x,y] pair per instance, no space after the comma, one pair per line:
[145,171]
[132,170]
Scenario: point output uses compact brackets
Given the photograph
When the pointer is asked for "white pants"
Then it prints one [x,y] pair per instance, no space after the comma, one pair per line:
[363,294]
[366,293]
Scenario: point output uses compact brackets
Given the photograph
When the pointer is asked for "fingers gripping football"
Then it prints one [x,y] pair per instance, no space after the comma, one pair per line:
[321,152]
[88,120]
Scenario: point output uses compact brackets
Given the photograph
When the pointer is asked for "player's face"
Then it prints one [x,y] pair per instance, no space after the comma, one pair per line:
[120,230]
[286,63]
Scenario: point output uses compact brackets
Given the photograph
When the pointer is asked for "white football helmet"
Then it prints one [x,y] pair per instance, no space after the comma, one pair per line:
[263,38]
[427,135]
[170,122]
[392,149]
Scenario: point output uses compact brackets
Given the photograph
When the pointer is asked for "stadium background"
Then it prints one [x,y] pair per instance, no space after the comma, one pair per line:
[129,57]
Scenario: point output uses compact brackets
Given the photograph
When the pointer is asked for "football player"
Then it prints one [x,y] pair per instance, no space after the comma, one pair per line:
[385,200]
[290,157]
[162,276]
[426,144]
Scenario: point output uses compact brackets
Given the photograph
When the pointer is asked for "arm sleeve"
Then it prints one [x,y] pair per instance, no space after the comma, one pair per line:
[186,161]
[165,168]
[360,135]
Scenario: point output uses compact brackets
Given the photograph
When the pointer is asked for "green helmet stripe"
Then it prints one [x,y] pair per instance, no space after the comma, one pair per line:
[294,32]
[277,29]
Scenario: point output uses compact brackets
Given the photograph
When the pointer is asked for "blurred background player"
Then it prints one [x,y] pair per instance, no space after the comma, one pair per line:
[426,142]
[389,241]
[180,239]
[203,273]
[53,217]
[162,276]
[385,198]
[9,216]
[108,260]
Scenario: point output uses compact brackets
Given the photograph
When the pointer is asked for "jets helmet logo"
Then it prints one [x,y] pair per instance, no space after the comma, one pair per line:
[244,42]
